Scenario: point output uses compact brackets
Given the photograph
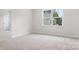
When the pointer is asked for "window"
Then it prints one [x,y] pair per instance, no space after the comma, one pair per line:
[7,21]
[47,17]
[53,17]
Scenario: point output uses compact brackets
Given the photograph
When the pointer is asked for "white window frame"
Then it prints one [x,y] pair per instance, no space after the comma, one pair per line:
[52,18]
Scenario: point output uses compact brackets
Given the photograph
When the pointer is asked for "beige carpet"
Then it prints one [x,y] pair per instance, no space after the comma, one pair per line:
[39,42]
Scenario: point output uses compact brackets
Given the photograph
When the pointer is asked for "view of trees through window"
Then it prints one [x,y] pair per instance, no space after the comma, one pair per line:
[53,17]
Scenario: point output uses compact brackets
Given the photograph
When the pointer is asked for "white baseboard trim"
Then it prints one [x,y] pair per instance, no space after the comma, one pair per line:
[61,35]
[18,35]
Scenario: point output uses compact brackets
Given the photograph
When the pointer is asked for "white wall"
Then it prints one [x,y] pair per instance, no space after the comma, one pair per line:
[1,23]
[70,26]
[21,22]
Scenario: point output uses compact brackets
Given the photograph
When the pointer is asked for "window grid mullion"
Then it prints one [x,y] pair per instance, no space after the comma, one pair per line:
[51,17]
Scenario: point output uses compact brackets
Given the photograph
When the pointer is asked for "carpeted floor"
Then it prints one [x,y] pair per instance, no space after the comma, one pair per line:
[39,42]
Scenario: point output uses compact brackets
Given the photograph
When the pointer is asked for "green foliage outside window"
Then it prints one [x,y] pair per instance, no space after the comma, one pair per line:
[55,14]
[57,21]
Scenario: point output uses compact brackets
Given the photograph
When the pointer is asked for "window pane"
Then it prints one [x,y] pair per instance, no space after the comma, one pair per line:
[57,16]
[47,21]
[7,22]
[57,21]
[47,13]
[57,13]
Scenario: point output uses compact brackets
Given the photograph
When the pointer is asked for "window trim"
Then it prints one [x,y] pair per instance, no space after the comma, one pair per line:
[52,18]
